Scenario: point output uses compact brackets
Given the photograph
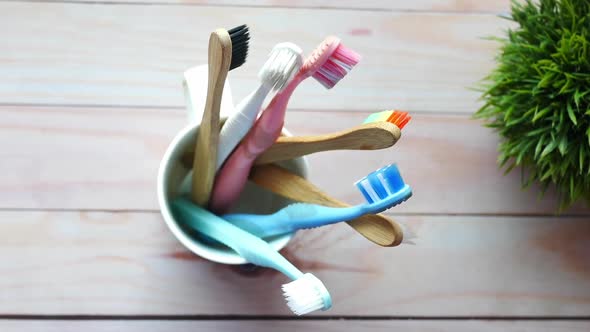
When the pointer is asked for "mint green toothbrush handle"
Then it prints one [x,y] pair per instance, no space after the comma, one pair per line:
[294,217]
[250,247]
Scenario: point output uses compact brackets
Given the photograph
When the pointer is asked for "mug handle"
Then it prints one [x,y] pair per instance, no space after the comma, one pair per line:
[195,94]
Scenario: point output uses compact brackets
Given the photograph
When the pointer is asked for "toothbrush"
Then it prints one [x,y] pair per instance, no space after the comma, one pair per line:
[306,293]
[328,64]
[227,50]
[377,228]
[383,189]
[369,136]
[308,143]
[283,63]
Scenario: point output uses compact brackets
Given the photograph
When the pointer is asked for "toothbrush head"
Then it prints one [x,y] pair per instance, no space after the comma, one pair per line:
[283,63]
[384,187]
[398,118]
[330,62]
[240,37]
[307,294]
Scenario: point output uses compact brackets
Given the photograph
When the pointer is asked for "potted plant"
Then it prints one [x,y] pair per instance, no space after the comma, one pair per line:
[537,98]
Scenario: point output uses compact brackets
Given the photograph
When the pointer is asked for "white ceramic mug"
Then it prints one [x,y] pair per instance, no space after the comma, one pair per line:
[174,177]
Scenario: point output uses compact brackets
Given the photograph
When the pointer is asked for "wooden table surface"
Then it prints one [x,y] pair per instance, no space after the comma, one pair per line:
[91,95]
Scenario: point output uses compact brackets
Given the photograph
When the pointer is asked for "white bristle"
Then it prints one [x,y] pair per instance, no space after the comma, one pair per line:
[343,65]
[369,189]
[306,294]
[283,63]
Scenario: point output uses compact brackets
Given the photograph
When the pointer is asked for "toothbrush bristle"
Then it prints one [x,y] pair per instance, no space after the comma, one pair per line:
[378,116]
[339,63]
[403,123]
[393,117]
[306,294]
[399,118]
[381,183]
[283,63]
[240,37]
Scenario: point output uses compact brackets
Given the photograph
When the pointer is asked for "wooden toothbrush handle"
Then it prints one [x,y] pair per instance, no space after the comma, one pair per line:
[205,155]
[375,227]
[370,136]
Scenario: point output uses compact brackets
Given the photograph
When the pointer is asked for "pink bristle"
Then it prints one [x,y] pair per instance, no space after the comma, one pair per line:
[341,61]
[346,55]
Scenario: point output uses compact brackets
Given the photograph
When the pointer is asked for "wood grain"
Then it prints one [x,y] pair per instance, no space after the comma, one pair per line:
[466,6]
[294,326]
[129,264]
[107,158]
[410,61]
[206,146]
[370,136]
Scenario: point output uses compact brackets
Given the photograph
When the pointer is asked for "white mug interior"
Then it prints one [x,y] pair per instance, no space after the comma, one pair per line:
[174,179]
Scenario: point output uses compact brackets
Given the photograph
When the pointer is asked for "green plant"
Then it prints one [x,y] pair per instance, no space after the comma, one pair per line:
[538,96]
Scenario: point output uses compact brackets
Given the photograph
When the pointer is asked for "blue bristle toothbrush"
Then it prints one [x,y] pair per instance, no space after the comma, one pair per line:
[383,189]
[306,293]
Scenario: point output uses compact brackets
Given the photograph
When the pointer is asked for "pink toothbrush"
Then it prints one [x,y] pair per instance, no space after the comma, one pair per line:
[328,64]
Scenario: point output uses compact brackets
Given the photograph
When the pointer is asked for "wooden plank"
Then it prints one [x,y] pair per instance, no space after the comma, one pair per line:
[473,6]
[135,55]
[286,325]
[108,158]
[104,263]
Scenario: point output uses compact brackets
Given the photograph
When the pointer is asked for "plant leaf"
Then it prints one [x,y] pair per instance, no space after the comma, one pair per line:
[544,82]
[582,157]
[548,173]
[539,146]
[541,113]
[537,131]
[562,145]
[571,114]
[577,97]
[549,148]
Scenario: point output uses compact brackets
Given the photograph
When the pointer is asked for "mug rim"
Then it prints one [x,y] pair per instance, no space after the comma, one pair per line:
[193,245]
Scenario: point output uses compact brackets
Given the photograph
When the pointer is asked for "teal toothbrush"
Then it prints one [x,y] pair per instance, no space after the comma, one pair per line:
[306,293]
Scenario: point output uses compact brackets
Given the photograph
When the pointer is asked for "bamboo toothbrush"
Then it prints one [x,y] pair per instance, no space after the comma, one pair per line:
[382,189]
[328,64]
[375,227]
[283,63]
[291,147]
[227,50]
[304,294]
[369,136]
